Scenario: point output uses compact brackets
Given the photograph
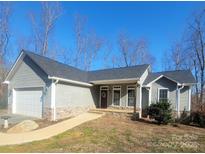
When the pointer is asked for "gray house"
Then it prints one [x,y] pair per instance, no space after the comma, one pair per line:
[44,88]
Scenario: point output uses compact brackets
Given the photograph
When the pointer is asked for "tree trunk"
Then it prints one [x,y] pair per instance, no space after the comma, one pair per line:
[202,88]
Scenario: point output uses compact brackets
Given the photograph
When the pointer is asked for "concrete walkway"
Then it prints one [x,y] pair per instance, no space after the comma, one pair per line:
[47,132]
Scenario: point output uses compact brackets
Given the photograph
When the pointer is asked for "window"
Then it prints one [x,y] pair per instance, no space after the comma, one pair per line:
[116,95]
[163,95]
[131,95]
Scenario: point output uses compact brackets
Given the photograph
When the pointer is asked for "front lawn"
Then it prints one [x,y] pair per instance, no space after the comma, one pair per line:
[117,133]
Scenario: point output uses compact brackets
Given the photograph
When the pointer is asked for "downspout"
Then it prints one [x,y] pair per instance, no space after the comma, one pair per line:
[178,102]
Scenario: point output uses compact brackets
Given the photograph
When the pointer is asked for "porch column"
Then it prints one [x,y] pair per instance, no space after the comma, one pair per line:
[189,108]
[139,99]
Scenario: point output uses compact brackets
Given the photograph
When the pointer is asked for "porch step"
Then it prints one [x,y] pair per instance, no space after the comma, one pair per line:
[111,110]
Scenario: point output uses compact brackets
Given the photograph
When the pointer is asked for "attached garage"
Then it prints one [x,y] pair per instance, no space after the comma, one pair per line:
[29,101]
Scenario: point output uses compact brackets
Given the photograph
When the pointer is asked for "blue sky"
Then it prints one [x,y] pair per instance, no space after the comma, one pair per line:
[160,23]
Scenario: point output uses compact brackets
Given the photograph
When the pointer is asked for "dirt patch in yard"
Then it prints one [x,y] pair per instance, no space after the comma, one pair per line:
[117,133]
[45,123]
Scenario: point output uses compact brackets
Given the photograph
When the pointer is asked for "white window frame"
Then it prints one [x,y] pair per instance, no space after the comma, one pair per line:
[130,87]
[107,89]
[163,89]
[117,87]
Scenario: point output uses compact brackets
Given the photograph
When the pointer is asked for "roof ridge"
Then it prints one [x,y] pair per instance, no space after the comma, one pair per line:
[119,67]
[172,71]
[26,51]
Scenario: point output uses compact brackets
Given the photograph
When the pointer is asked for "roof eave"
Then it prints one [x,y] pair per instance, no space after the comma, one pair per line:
[115,81]
[70,81]
[21,55]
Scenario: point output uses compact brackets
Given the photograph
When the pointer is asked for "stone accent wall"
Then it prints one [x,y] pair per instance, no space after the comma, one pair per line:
[66,112]
[48,113]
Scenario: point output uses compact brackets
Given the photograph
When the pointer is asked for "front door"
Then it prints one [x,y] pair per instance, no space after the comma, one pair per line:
[104,98]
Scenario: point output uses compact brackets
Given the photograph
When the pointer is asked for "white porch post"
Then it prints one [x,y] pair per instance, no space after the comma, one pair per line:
[140,101]
[189,107]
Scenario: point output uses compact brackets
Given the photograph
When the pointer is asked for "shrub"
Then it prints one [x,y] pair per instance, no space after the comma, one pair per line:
[135,116]
[198,118]
[184,118]
[161,112]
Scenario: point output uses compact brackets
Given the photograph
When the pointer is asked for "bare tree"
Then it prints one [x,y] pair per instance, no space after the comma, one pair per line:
[178,58]
[166,61]
[88,44]
[133,52]
[5,12]
[43,28]
[197,35]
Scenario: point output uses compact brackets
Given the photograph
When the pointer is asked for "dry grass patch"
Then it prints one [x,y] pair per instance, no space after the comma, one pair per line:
[117,133]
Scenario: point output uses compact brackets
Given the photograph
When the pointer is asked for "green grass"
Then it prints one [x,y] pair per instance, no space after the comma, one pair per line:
[114,133]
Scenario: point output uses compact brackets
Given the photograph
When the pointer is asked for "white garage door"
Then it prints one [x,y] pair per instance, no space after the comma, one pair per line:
[29,102]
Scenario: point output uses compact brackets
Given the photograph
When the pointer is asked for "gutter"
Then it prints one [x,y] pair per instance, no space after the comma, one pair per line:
[115,80]
[70,81]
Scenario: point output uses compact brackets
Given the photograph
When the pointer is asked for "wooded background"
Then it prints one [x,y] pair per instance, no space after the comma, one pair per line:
[188,53]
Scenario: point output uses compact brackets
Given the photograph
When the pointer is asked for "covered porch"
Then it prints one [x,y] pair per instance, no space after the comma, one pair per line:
[119,95]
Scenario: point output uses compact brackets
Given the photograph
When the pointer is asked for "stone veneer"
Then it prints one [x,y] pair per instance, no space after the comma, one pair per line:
[65,112]
[48,113]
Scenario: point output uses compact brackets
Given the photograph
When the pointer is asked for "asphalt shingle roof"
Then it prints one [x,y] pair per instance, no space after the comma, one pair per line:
[57,69]
[180,76]
[118,73]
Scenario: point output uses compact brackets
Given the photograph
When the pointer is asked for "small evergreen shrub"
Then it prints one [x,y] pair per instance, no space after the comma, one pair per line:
[161,112]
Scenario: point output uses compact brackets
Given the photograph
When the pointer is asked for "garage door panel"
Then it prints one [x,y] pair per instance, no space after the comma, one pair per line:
[28,102]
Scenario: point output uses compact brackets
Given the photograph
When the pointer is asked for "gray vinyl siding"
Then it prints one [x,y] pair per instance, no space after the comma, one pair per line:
[145,98]
[69,95]
[28,75]
[164,83]
[184,98]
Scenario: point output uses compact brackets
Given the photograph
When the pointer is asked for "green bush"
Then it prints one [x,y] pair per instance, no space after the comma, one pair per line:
[161,112]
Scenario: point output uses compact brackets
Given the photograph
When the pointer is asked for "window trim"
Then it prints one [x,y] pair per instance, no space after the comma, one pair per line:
[130,87]
[117,87]
[163,89]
